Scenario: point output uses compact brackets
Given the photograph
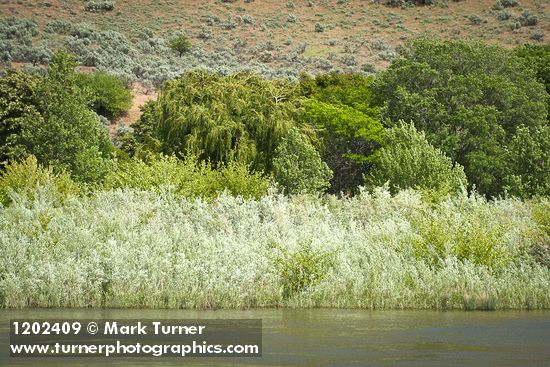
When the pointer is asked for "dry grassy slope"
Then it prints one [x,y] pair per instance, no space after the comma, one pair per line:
[350,28]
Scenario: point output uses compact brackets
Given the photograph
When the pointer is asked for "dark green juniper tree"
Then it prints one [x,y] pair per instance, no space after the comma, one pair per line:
[180,44]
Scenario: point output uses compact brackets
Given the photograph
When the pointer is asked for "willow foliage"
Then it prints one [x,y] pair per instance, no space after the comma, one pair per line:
[135,248]
[240,117]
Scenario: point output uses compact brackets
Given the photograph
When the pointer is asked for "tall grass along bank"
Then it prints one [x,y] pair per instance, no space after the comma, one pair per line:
[131,248]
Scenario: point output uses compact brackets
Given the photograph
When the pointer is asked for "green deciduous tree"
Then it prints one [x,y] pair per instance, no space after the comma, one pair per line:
[51,120]
[17,96]
[407,160]
[529,162]
[240,117]
[298,167]
[469,99]
[537,57]
[110,96]
[340,106]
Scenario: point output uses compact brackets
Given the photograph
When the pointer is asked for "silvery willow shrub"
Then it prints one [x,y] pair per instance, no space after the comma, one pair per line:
[135,248]
[297,166]
[407,160]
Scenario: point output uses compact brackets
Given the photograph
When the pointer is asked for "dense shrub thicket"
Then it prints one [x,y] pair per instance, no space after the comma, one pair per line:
[471,100]
[486,112]
[189,177]
[538,58]
[129,248]
[187,198]
[49,118]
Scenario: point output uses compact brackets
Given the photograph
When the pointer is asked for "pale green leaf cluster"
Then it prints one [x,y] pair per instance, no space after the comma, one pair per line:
[27,177]
[298,167]
[408,161]
[187,177]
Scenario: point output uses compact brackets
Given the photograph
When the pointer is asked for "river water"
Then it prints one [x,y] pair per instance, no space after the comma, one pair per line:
[328,337]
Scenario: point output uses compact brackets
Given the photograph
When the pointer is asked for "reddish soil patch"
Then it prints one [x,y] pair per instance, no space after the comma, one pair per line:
[141,96]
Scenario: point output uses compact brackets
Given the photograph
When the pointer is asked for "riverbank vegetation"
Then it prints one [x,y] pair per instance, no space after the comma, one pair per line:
[424,186]
[135,248]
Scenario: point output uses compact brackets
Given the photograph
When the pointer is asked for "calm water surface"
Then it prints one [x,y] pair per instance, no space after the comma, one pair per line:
[342,338]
